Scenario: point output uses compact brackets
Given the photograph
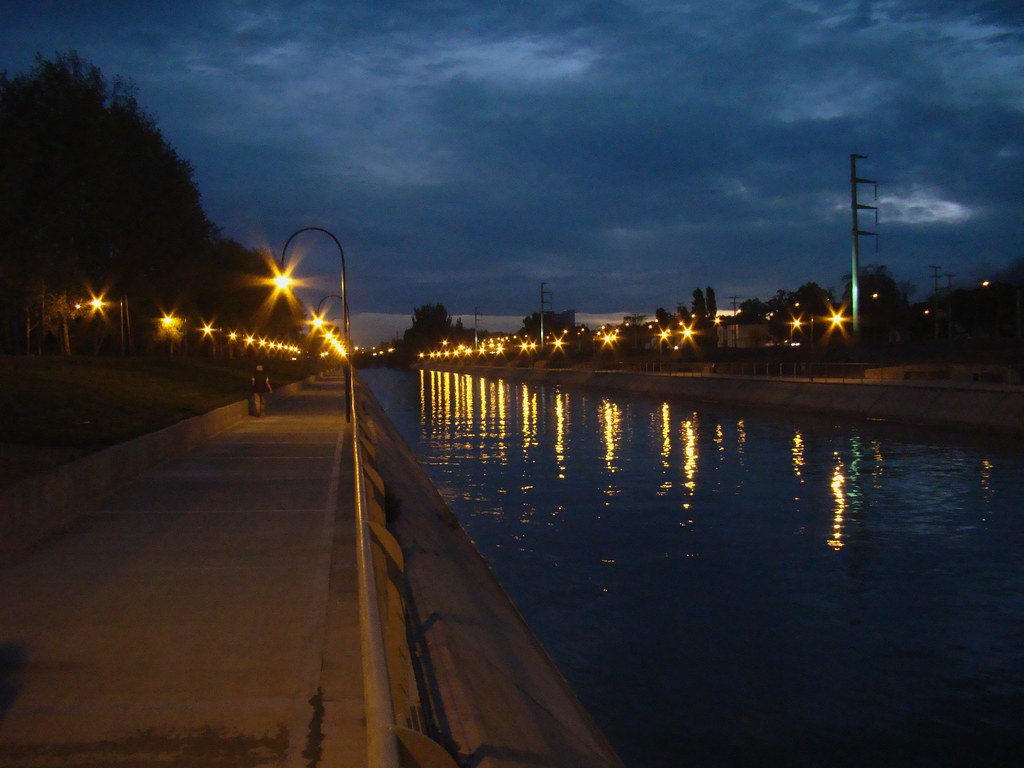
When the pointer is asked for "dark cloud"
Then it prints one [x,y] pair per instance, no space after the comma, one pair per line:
[624,152]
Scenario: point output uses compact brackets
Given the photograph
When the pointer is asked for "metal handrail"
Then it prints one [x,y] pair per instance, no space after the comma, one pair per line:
[381,741]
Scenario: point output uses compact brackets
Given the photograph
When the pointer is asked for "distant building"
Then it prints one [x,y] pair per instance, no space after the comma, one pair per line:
[743,335]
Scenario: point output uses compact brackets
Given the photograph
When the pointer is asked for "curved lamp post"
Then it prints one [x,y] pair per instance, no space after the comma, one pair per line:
[320,305]
[318,321]
[344,311]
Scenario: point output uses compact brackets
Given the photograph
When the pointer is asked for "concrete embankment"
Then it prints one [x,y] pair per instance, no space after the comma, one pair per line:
[494,696]
[997,409]
[42,503]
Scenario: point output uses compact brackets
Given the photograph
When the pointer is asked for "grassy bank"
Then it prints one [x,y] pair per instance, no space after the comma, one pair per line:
[85,403]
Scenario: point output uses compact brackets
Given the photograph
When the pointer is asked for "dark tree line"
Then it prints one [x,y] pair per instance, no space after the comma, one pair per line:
[94,201]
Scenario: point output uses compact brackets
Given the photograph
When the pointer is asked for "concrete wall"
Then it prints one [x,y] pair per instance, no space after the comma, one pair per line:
[961,406]
[495,697]
[42,503]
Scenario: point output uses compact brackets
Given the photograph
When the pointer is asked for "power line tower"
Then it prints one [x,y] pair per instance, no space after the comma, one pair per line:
[856,233]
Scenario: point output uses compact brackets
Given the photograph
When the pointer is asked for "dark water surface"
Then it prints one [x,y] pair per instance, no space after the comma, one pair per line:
[730,587]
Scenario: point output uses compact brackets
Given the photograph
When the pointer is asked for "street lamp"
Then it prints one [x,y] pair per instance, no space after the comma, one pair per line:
[318,319]
[208,331]
[344,310]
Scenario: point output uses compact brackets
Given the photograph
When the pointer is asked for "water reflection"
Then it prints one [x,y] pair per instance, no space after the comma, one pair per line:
[690,454]
[610,416]
[528,399]
[839,507]
[561,427]
[798,454]
[665,425]
[475,419]
[795,544]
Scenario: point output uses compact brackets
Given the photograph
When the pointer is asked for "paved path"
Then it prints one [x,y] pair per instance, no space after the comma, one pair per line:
[193,618]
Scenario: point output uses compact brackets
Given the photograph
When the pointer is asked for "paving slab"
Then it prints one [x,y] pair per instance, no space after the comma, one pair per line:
[204,614]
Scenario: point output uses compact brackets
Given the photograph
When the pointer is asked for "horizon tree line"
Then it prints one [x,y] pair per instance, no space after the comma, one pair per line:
[95,202]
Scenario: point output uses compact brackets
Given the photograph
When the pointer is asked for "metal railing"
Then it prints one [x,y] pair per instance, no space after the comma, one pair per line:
[381,743]
[392,741]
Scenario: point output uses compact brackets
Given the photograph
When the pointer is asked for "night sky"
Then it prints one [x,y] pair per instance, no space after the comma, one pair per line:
[624,153]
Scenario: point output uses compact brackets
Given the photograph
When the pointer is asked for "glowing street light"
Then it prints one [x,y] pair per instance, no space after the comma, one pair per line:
[283,281]
[172,329]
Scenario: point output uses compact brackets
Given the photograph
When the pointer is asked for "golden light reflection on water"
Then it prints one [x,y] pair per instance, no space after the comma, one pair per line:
[666,449]
[502,408]
[423,396]
[878,467]
[448,406]
[839,504]
[986,479]
[561,426]
[666,434]
[484,418]
[690,453]
[798,454]
[484,410]
[529,407]
[611,431]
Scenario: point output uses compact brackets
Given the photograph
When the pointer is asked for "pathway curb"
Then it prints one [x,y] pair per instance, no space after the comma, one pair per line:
[42,503]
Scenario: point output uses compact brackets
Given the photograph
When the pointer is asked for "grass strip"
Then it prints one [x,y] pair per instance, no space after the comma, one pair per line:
[89,403]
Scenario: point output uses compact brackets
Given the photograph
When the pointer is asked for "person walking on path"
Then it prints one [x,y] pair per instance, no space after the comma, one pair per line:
[260,391]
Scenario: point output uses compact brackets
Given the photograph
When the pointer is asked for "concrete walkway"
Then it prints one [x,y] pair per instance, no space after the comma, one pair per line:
[204,615]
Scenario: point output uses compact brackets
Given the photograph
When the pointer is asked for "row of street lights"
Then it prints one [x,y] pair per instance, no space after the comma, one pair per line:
[173,327]
[606,338]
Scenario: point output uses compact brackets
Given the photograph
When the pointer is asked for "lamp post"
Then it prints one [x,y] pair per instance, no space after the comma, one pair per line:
[318,320]
[320,304]
[344,311]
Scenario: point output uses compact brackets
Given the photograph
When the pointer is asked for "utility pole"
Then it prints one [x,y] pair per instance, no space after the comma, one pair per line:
[856,233]
[545,303]
[949,302]
[476,338]
[935,296]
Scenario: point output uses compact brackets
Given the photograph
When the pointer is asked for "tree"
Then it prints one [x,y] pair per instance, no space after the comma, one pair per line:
[883,304]
[808,301]
[752,311]
[555,324]
[712,304]
[703,324]
[91,194]
[431,324]
[699,307]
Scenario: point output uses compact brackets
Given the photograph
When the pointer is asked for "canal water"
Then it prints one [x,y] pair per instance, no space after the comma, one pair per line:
[732,587]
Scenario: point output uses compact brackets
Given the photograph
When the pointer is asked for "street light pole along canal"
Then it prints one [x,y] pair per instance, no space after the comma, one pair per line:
[344,311]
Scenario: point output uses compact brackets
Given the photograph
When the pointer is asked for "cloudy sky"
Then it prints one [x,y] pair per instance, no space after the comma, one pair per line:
[624,152]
